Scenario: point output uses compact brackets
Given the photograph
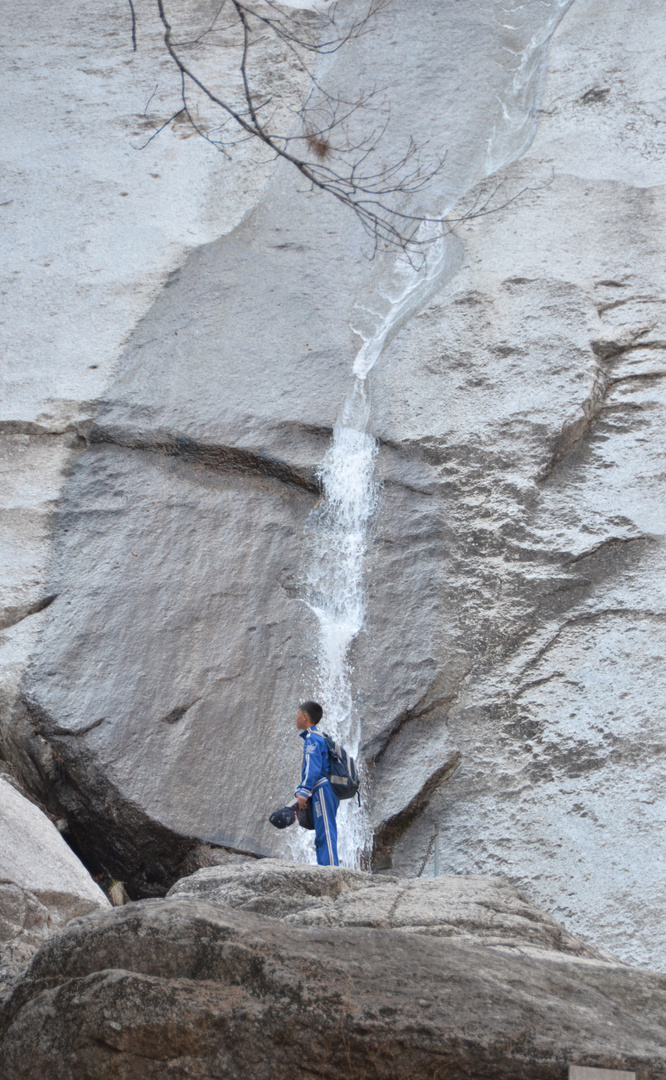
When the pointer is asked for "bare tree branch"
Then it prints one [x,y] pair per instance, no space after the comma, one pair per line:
[333,142]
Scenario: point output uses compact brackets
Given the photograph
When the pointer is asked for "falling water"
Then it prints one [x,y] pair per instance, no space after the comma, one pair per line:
[335,584]
[339,526]
[339,534]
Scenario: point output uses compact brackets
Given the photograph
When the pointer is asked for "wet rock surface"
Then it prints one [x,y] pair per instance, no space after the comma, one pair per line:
[192,986]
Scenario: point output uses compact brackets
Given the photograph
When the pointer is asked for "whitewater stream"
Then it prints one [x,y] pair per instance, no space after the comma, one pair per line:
[339,528]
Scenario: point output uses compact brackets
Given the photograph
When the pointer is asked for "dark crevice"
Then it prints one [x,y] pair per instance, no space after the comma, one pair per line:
[387,835]
[13,615]
[374,750]
[625,300]
[611,350]
[575,430]
[178,713]
[224,458]
[218,458]
[112,836]
[603,545]
[586,617]
[76,732]
[638,376]
[78,428]
[596,94]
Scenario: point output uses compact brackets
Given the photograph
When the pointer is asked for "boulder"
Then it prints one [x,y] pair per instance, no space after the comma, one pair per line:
[42,883]
[482,910]
[77,282]
[192,986]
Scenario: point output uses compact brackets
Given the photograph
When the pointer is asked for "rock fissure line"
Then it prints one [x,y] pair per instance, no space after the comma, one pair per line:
[76,733]
[214,456]
[418,712]
[537,682]
[574,431]
[583,617]
[602,308]
[646,376]
[389,831]
[606,350]
[80,427]
[179,712]
[607,543]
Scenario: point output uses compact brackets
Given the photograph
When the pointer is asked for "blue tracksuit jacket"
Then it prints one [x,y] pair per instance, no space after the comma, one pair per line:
[315,785]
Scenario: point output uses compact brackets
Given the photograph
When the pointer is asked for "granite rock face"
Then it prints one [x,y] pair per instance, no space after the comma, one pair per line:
[157,713]
[92,231]
[549,349]
[42,883]
[192,986]
[509,677]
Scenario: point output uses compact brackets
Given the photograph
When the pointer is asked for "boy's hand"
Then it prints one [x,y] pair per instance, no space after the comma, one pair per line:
[302,802]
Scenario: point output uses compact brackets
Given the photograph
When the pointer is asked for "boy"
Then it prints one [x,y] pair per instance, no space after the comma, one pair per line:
[316,785]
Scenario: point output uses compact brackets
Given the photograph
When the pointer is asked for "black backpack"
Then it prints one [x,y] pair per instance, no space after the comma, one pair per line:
[344,777]
[306,816]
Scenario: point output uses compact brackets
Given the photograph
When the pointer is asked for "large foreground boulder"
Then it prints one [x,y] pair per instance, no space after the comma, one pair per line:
[192,987]
[42,883]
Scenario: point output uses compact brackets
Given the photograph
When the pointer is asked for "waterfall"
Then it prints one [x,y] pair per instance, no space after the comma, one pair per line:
[338,528]
[338,534]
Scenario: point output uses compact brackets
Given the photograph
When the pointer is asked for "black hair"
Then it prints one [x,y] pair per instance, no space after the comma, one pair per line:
[313,710]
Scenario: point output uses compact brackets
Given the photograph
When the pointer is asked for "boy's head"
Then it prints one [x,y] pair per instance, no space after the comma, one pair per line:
[309,714]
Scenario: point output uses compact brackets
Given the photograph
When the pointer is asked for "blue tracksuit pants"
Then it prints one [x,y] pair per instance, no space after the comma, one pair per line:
[325,808]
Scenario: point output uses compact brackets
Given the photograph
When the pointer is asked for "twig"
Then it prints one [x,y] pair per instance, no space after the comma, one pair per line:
[133,13]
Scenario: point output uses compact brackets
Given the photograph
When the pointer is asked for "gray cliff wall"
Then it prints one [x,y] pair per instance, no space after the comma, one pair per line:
[509,676]
[548,348]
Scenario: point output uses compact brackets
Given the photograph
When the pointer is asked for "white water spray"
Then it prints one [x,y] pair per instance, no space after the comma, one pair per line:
[339,538]
[338,530]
